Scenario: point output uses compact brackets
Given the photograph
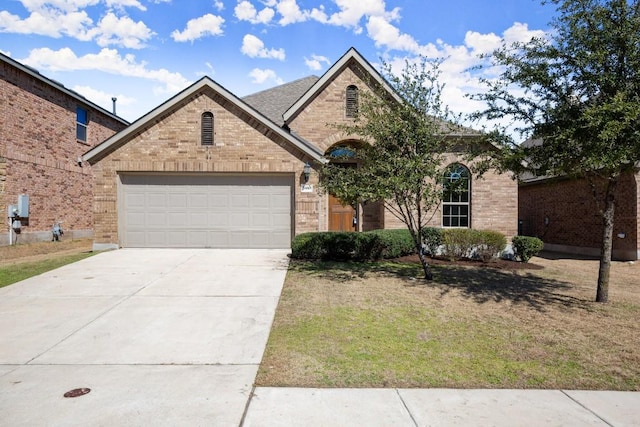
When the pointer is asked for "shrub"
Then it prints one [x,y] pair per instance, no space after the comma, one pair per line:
[525,247]
[307,246]
[432,239]
[345,246]
[466,243]
[394,243]
[489,244]
[457,242]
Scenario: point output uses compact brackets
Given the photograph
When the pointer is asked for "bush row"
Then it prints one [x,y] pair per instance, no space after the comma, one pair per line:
[345,246]
[452,243]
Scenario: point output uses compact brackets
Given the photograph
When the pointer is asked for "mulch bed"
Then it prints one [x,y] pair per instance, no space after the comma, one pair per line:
[499,264]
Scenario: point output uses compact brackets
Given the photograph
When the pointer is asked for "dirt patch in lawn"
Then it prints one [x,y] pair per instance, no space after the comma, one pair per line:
[474,326]
[32,252]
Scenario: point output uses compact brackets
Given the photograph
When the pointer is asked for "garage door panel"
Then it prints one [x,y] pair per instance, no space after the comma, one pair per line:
[206,211]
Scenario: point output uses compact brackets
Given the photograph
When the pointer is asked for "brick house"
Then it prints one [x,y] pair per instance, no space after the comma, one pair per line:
[44,130]
[563,213]
[208,169]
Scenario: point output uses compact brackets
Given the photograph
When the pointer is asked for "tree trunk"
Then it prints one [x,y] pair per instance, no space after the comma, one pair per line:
[602,294]
[428,275]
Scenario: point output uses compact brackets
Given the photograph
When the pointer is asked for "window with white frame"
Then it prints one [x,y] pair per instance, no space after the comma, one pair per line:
[456,196]
[82,122]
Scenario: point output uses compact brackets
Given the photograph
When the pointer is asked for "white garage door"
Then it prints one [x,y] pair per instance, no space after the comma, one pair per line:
[212,211]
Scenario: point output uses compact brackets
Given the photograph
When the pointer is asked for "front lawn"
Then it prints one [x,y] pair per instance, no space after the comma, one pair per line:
[376,325]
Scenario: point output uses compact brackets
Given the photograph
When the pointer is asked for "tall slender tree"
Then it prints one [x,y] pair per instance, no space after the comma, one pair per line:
[407,132]
[577,92]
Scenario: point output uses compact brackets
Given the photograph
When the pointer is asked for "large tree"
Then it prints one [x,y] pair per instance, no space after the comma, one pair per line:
[577,93]
[406,130]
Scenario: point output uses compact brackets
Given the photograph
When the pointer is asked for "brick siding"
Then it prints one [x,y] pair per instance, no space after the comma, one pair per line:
[572,215]
[39,152]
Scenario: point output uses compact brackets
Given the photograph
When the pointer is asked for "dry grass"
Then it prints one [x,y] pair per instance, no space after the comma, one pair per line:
[373,325]
[32,252]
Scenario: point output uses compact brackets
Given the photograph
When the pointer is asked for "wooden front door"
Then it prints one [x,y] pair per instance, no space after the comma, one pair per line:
[341,218]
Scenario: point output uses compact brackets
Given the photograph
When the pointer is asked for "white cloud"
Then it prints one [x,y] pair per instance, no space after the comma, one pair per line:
[351,13]
[48,22]
[384,34]
[103,99]
[253,47]
[61,18]
[261,76]
[315,62]
[112,30]
[290,12]
[107,61]
[246,11]
[199,27]
[218,5]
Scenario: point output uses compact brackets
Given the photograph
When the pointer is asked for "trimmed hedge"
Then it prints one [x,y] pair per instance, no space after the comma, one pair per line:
[525,247]
[467,243]
[432,240]
[353,246]
[385,244]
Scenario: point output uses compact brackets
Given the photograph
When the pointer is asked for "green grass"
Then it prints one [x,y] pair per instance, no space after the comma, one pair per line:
[376,325]
[17,272]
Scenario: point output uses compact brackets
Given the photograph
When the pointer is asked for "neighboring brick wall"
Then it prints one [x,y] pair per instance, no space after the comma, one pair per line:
[573,218]
[39,153]
[172,145]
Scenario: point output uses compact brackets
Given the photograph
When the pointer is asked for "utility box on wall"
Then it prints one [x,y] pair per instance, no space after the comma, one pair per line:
[23,206]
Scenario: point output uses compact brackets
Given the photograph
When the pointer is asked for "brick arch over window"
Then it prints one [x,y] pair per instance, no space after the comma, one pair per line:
[351,101]
[206,128]
[456,196]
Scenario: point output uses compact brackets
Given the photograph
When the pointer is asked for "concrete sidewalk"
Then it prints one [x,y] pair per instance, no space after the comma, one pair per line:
[270,407]
[174,337]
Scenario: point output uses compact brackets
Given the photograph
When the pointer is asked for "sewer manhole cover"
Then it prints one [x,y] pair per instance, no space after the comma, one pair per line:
[77,392]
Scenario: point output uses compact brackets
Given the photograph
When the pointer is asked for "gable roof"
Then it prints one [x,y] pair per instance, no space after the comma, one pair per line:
[58,86]
[351,56]
[204,83]
[275,101]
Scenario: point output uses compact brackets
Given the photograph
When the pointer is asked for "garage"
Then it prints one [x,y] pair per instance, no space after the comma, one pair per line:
[205,211]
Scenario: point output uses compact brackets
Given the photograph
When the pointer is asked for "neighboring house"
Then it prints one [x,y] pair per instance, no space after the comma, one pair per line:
[563,213]
[209,169]
[44,130]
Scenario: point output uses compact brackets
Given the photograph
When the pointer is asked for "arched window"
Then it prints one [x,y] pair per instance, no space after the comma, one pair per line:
[351,106]
[456,196]
[206,136]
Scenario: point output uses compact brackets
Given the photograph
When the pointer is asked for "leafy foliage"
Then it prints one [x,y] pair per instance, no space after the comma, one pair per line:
[352,246]
[578,97]
[408,131]
[467,243]
[526,247]
[432,239]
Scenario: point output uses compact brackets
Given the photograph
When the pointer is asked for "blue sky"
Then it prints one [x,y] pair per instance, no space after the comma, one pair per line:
[145,51]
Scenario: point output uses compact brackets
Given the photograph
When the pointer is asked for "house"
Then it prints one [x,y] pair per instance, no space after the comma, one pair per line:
[44,130]
[209,169]
[563,213]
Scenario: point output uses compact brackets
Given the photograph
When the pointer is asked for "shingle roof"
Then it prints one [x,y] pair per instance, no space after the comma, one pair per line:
[275,101]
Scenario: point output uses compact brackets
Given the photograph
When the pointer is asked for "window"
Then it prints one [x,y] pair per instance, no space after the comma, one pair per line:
[82,120]
[207,128]
[456,196]
[351,107]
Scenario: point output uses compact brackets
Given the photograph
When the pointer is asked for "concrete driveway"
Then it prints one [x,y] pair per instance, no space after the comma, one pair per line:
[160,336]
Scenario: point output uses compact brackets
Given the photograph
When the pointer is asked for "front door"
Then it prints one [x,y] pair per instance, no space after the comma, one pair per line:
[341,218]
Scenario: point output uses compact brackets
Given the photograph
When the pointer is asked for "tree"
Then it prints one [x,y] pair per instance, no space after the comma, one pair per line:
[406,130]
[578,93]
